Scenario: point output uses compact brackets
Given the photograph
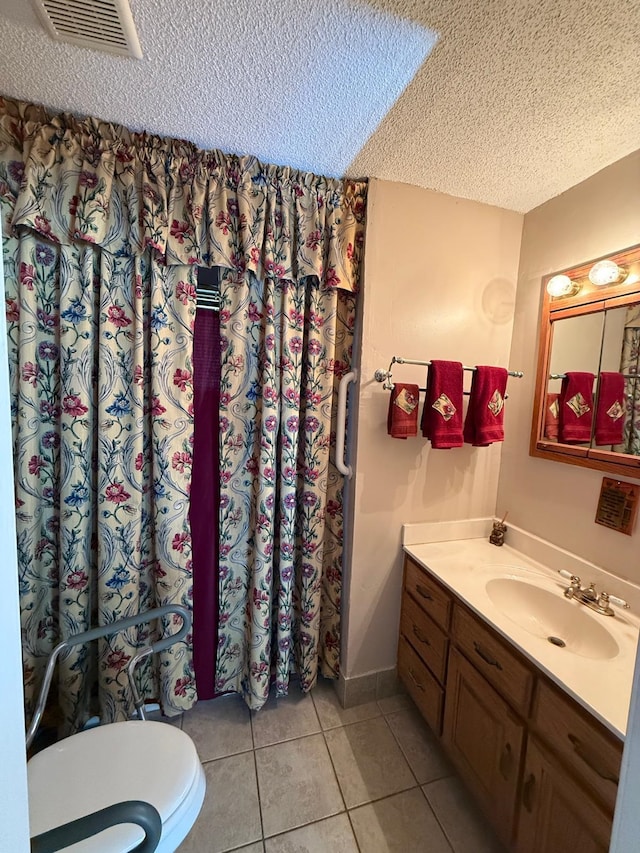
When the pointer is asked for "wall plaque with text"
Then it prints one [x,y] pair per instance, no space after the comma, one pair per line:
[618,505]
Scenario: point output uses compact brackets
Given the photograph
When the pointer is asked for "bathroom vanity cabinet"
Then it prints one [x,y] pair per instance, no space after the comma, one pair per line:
[544,771]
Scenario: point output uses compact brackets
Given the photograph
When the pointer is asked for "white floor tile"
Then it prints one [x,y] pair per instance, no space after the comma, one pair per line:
[230,815]
[464,825]
[297,784]
[284,719]
[403,823]
[219,727]
[368,762]
[330,711]
[333,835]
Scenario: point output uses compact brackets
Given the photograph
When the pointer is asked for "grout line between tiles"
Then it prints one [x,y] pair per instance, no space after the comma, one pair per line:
[376,799]
[335,775]
[385,797]
[204,761]
[403,753]
[255,767]
[438,821]
[353,831]
[290,740]
[402,750]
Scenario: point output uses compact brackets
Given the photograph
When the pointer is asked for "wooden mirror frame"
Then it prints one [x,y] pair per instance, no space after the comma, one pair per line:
[589,299]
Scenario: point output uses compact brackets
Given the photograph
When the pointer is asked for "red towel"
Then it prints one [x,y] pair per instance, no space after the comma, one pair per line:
[402,420]
[442,413]
[576,408]
[551,409]
[611,408]
[484,423]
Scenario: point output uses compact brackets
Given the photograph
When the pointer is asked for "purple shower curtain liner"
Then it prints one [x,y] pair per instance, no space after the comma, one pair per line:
[205,498]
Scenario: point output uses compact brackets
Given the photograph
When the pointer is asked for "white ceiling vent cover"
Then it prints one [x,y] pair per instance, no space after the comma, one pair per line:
[96,24]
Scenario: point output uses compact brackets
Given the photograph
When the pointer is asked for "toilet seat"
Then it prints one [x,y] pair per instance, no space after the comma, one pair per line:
[133,760]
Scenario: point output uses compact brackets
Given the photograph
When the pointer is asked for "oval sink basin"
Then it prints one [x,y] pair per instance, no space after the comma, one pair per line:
[549,615]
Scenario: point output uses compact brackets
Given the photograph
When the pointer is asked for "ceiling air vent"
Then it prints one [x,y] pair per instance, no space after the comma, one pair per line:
[96,24]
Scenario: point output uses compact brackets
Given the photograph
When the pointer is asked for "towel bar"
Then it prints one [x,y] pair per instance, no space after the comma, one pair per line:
[385,375]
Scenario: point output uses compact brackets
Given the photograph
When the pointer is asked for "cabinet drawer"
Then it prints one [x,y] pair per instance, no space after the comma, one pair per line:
[581,742]
[497,663]
[422,686]
[429,641]
[430,596]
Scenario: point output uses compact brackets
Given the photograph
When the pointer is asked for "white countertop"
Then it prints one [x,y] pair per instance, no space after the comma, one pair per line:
[602,686]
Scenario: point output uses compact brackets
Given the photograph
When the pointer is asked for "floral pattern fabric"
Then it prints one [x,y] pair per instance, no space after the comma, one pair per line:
[630,366]
[285,348]
[102,229]
[100,183]
[102,446]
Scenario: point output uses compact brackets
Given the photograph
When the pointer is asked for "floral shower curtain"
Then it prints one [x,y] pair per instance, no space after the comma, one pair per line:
[630,366]
[103,229]
[285,349]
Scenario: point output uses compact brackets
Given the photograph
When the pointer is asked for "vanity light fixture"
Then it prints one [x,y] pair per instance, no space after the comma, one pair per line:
[561,285]
[606,272]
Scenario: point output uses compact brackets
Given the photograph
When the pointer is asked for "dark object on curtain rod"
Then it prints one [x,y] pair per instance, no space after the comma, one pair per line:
[208,289]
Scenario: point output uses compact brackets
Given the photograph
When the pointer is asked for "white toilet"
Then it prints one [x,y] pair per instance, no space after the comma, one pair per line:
[134,760]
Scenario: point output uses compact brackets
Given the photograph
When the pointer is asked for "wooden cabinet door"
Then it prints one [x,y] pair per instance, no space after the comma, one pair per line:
[485,742]
[556,815]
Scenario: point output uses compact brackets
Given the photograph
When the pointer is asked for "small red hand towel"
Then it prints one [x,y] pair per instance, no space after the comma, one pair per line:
[442,413]
[484,423]
[576,407]
[402,419]
[610,410]
[551,409]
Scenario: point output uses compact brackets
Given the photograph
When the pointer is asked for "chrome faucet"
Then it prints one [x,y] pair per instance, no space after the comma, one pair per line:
[574,589]
[600,602]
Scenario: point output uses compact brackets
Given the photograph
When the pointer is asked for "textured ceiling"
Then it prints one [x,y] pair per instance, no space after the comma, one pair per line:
[508,103]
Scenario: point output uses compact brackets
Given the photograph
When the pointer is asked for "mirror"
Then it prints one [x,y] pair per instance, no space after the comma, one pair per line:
[589,419]
[576,343]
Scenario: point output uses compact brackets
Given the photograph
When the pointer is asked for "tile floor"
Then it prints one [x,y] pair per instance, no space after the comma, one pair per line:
[303,775]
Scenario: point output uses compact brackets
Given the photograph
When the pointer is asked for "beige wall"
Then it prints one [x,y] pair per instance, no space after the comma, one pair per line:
[554,500]
[440,277]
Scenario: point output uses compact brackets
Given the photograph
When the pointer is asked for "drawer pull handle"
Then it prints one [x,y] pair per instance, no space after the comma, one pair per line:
[486,657]
[423,592]
[506,762]
[420,636]
[528,792]
[415,680]
[590,760]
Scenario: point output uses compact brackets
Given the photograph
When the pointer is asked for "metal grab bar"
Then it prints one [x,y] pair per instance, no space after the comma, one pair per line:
[341,422]
[104,631]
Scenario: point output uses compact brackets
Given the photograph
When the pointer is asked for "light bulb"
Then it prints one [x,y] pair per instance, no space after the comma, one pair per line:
[605,272]
[559,285]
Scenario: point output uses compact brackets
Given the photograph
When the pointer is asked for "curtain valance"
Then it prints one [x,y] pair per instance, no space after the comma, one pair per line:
[88,180]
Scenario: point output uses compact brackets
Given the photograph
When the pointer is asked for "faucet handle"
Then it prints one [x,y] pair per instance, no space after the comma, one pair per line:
[619,602]
[574,583]
[570,577]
